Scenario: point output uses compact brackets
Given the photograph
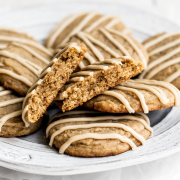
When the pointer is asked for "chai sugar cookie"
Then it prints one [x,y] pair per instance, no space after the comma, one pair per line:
[136,96]
[95,79]
[93,134]
[87,21]
[8,35]
[164,58]
[11,123]
[53,77]
[106,43]
[20,66]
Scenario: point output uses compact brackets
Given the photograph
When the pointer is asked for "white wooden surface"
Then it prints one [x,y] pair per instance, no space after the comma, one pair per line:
[163,169]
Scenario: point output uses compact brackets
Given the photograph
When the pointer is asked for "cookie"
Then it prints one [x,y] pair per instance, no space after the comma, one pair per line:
[53,77]
[93,134]
[106,43]
[8,35]
[11,123]
[164,58]
[95,79]
[20,66]
[136,96]
[87,21]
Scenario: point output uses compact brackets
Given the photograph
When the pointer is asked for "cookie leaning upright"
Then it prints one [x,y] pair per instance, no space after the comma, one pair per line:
[164,58]
[45,89]
[11,123]
[95,79]
[20,66]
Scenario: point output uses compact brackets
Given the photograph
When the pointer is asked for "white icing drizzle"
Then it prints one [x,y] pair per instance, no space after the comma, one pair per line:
[5,92]
[59,115]
[163,84]
[100,57]
[115,42]
[9,116]
[2,88]
[144,121]
[164,47]
[75,79]
[3,46]
[100,44]
[157,69]
[140,96]
[97,136]
[144,116]
[155,90]
[98,22]
[89,58]
[27,42]
[98,118]
[113,22]
[16,76]
[159,60]
[173,76]
[60,27]
[12,101]
[79,27]
[41,58]
[26,63]
[130,41]
[121,98]
[159,39]
[82,73]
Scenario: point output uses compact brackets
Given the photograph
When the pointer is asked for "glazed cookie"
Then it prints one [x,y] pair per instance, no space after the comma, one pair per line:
[164,58]
[87,21]
[11,123]
[91,134]
[95,79]
[10,35]
[53,77]
[136,96]
[106,43]
[20,66]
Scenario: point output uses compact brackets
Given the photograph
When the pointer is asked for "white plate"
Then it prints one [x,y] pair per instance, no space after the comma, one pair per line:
[32,154]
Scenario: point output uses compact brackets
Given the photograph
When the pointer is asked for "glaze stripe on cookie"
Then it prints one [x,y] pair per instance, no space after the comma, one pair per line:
[149,85]
[27,42]
[144,121]
[2,88]
[34,53]
[16,76]
[96,136]
[25,62]
[130,41]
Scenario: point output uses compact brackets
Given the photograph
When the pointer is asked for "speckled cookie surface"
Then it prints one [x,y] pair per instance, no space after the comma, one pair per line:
[87,21]
[135,96]
[93,80]
[20,66]
[92,147]
[164,55]
[51,80]
[14,126]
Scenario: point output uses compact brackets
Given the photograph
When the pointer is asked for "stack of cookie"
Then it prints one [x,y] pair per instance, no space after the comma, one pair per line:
[95,61]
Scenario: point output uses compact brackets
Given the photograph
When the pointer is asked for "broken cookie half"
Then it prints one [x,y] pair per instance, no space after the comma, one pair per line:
[51,80]
[95,79]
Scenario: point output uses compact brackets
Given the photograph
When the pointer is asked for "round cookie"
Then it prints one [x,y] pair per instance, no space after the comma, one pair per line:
[8,35]
[11,123]
[20,66]
[136,96]
[106,43]
[51,80]
[95,79]
[93,134]
[87,21]
[164,58]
